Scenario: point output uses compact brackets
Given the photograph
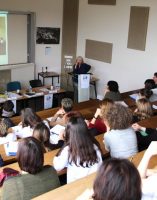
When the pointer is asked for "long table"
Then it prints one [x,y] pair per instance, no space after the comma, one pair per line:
[48,157]
[72,190]
[87,109]
[36,101]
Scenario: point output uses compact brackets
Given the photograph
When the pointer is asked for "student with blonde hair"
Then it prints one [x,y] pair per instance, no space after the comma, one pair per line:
[143,111]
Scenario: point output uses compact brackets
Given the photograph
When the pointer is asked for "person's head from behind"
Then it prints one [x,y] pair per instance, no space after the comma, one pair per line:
[118,117]
[42,133]
[144,108]
[149,84]
[117,179]
[113,86]
[67,104]
[80,142]
[155,77]
[79,60]
[29,117]
[3,128]
[8,106]
[106,105]
[30,155]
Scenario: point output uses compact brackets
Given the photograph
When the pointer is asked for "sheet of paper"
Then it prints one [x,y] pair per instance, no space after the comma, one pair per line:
[134,96]
[85,78]
[48,101]
[122,103]
[11,148]
[57,129]
[14,102]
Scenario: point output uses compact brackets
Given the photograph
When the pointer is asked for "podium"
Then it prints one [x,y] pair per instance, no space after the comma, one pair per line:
[83,87]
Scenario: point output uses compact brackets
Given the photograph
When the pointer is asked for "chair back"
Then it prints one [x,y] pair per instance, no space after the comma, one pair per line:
[35,83]
[13,86]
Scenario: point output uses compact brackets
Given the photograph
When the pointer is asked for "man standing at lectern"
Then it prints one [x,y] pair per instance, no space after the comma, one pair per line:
[78,68]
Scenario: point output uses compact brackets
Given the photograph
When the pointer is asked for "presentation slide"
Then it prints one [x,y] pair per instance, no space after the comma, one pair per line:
[13,38]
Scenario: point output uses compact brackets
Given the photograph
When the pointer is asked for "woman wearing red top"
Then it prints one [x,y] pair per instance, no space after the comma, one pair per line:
[97,121]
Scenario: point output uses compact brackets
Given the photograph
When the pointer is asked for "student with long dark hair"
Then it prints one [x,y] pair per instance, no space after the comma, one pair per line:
[81,153]
[29,119]
[42,133]
[34,179]
[117,179]
[112,91]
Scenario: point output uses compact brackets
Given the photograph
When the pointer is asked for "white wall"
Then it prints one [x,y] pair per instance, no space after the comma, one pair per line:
[48,14]
[110,24]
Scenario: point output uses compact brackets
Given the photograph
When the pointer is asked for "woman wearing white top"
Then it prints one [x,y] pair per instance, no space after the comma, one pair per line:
[28,121]
[81,153]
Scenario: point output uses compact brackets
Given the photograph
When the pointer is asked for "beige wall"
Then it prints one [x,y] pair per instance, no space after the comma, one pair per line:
[110,24]
[48,14]
[101,23]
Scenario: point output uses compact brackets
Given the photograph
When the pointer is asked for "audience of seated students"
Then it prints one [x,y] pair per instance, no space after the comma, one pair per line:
[42,133]
[120,139]
[112,91]
[97,122]
[117,179]
[59,117]
[28,121]
[144,136]
[81,153]
[155,78]
[8,111]
[143,111]
[149,86]
[149,177]
[35,179]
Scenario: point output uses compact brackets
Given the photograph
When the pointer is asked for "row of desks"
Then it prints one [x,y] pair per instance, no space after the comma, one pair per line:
[48,157]
[72,190]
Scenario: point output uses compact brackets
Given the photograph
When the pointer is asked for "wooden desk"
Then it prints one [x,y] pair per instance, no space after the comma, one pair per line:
[86,108]
[48,157]
[48,75]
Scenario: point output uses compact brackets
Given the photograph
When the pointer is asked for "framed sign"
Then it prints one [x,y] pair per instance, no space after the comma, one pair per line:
[48,35]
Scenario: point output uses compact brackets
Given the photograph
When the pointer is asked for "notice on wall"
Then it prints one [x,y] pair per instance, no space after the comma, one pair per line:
[48,101]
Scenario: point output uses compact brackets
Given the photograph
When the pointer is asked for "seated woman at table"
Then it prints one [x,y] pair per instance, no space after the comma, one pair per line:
[149,177]
[97,122]
[42,133]
[8,111]
[117,179]
[28,121]
[148,91]
[144,136]
[120,139]
[112,91]
[59,117]
[5,137]
[143,111]
[81,153]
[35,179]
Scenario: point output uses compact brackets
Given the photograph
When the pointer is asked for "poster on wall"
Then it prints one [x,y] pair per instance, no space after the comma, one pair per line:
[47,35]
